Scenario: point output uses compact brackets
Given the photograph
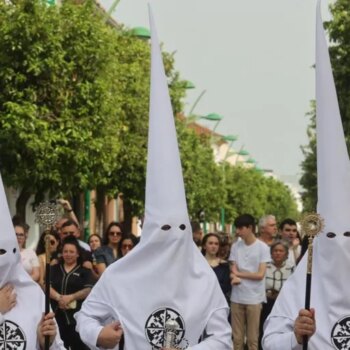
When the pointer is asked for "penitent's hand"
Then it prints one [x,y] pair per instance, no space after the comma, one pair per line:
[304,324]
[7,298]
[110,335]
[47,327]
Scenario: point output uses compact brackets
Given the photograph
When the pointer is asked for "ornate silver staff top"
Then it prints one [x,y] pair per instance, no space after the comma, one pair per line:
[46,214]
[311,224]
[170,333]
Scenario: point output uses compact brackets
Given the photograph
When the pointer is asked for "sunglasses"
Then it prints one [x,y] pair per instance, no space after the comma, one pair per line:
[115,234]
[68,233]
[127,246]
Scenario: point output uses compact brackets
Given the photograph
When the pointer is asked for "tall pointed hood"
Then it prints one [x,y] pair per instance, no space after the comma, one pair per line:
[165,194]
[333,165]
[165,276]
[9,249]
[331,254]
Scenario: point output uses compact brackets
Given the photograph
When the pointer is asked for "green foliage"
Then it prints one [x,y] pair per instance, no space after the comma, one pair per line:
[249,191]
[202,176]
[57,98]
[309,178]
[339,34]
[74,101]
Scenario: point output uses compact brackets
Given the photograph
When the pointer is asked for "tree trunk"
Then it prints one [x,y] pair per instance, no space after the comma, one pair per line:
[21,204]
[127,216]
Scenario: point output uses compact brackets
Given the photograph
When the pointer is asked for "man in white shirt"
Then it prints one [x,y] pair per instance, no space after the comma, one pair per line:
[249,257]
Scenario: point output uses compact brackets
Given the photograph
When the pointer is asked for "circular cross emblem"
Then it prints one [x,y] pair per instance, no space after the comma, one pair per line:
[12,337]
[341,334]
[155,326]
[46,214]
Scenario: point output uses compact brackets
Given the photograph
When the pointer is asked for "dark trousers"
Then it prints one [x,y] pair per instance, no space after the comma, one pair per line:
[70,337]
[265,312]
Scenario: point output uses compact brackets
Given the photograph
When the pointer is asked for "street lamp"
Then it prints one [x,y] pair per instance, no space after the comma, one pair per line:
[196,101]
[251,161]
[259,170]
[231,139]
[189,85]
[111,9]
[242,152]
[141,32]
[213,117]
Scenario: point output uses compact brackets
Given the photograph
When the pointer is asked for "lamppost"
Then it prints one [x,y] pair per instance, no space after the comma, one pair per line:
[231,139]
[213,117]
[192,117]
[242,152]
[111,9]
[251,161]
[189,85]
[141,32]
[196,101]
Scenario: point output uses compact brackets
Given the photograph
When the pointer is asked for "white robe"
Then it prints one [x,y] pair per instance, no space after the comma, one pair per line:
[141,293]
[19,327]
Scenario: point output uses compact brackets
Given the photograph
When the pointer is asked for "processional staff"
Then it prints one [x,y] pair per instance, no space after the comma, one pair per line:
[46,215]
[311,225]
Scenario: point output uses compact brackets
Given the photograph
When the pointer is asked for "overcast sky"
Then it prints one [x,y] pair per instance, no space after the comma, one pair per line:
[254,59]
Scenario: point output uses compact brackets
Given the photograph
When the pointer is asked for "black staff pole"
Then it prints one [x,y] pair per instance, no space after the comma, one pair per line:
[46,215]
[311,224]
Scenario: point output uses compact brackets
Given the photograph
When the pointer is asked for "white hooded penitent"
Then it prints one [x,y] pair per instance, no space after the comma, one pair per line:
[331,256]
[18,329]
[165,276]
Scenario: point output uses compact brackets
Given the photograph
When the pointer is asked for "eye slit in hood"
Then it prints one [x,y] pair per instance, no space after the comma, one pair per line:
[2,251]
[347,234]
[182,227]
[14,250]
[166,227]
[331,235]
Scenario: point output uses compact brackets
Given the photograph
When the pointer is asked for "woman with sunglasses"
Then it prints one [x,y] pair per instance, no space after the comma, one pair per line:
[29,258]
[54,240]
[126,244]
[109,252]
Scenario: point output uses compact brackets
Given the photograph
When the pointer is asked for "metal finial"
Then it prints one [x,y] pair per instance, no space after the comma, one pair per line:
[46,214]
[312,224]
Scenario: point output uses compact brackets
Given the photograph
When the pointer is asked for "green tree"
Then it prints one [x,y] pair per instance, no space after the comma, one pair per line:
[249,191]
[133,59]
[279,200]
[57,98]
[74,102]
[202,176]
[309,177]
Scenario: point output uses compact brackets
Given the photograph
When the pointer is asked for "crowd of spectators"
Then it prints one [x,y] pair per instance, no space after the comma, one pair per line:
[75,265]
[251,267]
